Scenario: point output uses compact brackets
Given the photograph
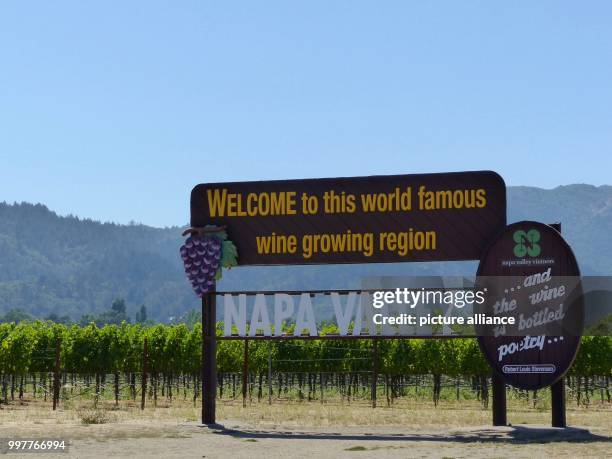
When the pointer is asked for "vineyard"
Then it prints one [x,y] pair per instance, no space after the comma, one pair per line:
[130,362]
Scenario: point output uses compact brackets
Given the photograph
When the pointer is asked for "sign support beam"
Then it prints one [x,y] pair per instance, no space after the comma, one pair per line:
[499,401]
[209,356]
[557,390]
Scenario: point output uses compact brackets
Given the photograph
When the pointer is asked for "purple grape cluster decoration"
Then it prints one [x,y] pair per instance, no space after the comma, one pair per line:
[201,256]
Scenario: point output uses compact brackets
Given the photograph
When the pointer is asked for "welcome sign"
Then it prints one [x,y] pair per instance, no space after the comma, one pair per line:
[425,217]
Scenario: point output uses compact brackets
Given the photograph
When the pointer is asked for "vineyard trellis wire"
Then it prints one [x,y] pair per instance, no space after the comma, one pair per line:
[93,358]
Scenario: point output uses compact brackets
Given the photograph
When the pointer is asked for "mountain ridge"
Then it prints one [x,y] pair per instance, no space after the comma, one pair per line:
[70,265]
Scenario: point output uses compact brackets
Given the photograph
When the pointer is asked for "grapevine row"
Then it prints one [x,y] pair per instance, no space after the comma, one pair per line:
[175,349]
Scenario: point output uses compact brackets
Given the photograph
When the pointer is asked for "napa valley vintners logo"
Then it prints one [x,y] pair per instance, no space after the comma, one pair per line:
[527,250]
[527,243]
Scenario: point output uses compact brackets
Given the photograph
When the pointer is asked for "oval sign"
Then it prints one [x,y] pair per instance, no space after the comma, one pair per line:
[531,274]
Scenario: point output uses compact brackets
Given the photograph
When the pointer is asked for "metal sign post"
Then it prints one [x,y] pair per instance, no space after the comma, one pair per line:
[209,357]
[557,390]
[499,401]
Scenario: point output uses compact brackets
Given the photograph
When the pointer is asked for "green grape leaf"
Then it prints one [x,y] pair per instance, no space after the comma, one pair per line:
[229,254]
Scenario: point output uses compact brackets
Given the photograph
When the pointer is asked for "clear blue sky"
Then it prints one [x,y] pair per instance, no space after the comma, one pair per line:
[115,110]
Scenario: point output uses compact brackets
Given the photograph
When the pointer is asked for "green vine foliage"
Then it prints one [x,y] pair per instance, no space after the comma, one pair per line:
[176,349]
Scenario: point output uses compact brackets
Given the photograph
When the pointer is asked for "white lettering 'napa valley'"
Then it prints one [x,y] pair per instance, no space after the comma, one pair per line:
[345,315]
[260,318]
[305,317]
[234,316]
[347,311]
[283,310]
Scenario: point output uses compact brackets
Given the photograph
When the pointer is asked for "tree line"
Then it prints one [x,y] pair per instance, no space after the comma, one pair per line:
[116,315]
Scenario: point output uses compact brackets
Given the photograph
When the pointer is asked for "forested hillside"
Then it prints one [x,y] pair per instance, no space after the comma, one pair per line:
[70,266]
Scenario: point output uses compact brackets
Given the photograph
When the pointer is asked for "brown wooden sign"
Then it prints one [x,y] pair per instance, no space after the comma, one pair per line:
[532,274]
[425,217]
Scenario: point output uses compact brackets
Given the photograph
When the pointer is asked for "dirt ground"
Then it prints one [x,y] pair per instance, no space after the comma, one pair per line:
[310,430]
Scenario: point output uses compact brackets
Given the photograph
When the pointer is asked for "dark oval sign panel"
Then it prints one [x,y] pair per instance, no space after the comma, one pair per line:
[422,217]
[536,280]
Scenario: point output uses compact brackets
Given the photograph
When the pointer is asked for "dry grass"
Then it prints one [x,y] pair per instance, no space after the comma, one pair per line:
[95,415]
[417,414]
[406,413]
[408,429]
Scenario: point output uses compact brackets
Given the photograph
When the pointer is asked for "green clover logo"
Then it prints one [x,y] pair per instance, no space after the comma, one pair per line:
[527,243]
